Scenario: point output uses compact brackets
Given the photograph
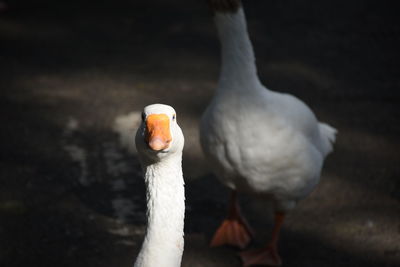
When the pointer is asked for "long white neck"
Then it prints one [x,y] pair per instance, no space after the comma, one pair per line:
[163,243]
[238,61]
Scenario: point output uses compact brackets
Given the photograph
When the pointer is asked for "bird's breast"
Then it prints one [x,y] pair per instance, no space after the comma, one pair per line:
[257,152]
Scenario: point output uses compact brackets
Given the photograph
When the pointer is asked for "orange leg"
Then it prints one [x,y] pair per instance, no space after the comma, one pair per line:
[267,256]
[234,230]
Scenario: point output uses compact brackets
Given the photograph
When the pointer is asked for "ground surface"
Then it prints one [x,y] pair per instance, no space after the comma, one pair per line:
[73,77]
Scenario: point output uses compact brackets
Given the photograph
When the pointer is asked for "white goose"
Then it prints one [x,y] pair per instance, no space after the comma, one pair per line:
[159,142]
[259,141]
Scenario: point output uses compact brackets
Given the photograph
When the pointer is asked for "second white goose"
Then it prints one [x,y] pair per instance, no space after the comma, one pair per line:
[258,141]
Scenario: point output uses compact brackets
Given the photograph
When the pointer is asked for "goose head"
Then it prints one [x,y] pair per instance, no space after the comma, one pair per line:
[159,134]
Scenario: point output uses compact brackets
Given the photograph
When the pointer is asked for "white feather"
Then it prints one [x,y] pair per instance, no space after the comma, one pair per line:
[259,141]
[163,242]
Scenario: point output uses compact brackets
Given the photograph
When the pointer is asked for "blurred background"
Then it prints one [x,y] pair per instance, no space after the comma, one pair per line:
[75,75]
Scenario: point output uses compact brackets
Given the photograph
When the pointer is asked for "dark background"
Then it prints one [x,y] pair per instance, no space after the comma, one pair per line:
[71,195]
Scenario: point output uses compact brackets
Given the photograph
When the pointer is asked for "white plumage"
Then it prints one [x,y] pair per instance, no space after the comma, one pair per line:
[264,142]
[259,141]
[159,142]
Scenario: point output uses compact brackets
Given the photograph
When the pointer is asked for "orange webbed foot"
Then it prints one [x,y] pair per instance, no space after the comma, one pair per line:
[232,232]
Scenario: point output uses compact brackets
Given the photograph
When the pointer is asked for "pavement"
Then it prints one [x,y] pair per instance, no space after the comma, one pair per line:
[75,77]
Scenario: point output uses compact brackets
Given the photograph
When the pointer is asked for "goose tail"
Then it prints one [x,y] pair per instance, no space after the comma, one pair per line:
[328,136]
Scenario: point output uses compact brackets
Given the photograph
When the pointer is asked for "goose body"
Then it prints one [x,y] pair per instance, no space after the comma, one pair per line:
[261,142]
[159,141]
[265,143]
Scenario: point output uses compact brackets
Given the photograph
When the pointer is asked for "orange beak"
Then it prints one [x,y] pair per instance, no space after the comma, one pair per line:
[158,135]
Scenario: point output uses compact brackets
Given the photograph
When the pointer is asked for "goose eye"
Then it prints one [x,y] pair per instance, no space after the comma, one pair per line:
[173,117]
[143,116]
